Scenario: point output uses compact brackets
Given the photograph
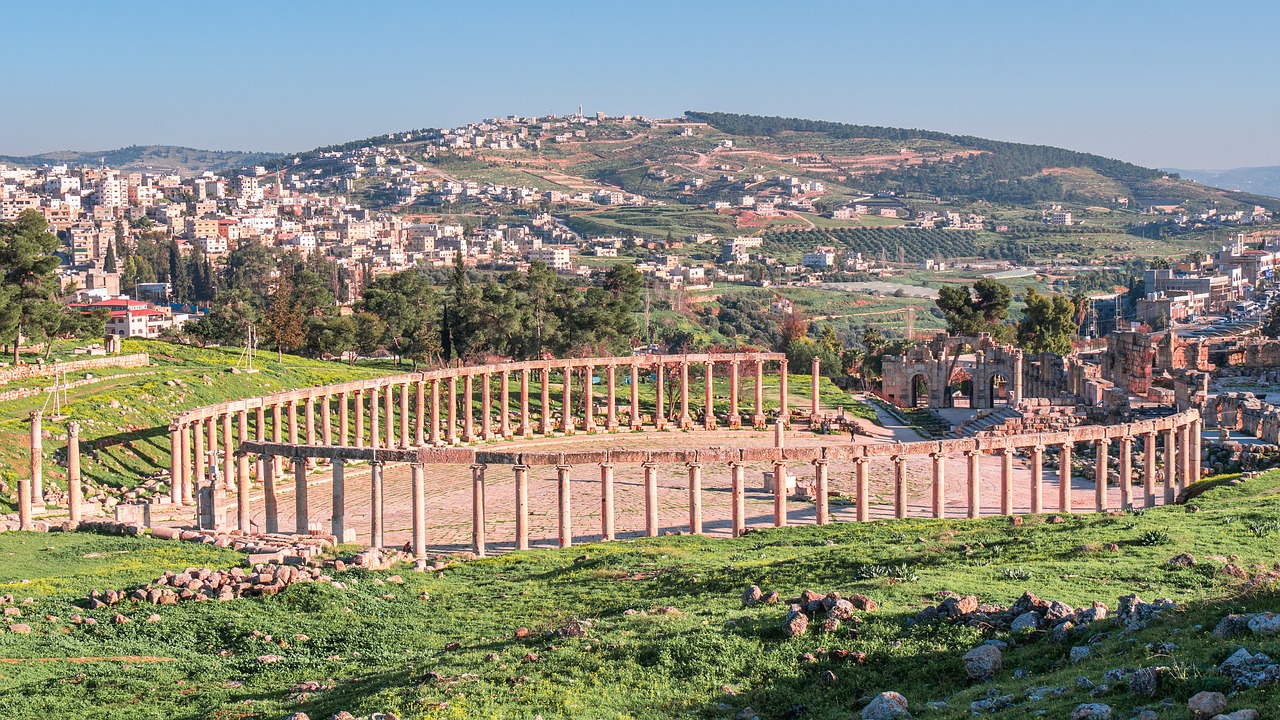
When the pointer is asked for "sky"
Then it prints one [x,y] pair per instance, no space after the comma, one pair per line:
[1162,84]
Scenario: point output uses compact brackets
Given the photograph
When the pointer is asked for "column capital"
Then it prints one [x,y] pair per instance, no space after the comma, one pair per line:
[606,464]
[563,467]
[73,428]
[937,455]
[1037,448]
[476,466]
[972,453]
[1007,450]
[820,461]
[35,414]
[693,464]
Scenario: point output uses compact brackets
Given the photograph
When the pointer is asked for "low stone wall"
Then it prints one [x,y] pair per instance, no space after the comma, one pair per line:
[22,372]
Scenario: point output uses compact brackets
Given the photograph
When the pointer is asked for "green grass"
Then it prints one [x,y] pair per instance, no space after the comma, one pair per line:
[130,441]
[387,654]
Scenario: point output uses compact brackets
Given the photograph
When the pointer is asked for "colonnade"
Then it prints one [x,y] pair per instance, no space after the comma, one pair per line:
[1178,434]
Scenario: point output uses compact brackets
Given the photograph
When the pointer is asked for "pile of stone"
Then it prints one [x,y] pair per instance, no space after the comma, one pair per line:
[1031,614]
[801,610]
[201,584]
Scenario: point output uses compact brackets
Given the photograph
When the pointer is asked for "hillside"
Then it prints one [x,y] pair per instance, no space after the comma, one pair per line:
[1257,180]
[155,158]
[656,628]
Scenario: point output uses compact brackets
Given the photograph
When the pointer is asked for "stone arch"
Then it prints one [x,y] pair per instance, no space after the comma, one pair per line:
[1000,388]
[920,396]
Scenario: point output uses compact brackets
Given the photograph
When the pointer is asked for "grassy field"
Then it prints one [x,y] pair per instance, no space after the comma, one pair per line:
[125,416]
[667,634]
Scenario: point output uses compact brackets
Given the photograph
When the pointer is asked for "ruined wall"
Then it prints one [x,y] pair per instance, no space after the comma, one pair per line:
[936,361]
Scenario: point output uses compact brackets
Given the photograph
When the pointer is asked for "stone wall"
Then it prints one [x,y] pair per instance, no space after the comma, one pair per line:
[937,361]
[22,372]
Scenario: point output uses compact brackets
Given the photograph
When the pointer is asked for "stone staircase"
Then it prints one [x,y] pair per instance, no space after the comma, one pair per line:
[988,423]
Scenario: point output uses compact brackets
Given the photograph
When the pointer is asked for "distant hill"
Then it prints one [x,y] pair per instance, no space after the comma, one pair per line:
[1257,180]
[993,170]
[182,160]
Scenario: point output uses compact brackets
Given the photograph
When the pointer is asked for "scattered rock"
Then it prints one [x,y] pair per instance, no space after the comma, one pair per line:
[1266,623]
[1230,626]
[1091,711]
[747,713]
[1182,560]
[796,623]
[983,662]
[995,703]
[1079,653]
[1145,682]
[863,603]
[1249,671]
[1204,705]
[20,629]
[886,706]
[752,595]
[1025,623]
[1246,714]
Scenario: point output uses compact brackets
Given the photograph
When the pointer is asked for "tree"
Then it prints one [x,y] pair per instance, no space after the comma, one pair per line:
[28,303]
[284,319]
[971,312]
[1048,323]
[109,262]
[332,336]
[409,307]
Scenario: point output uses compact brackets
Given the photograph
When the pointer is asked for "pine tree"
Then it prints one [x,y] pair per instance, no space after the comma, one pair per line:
[109,262]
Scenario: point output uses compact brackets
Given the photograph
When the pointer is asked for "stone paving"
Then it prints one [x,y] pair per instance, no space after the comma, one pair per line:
[450,489]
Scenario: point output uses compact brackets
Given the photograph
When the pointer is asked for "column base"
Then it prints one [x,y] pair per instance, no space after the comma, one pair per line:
[735,422]
[758,422]
[611,427]
[420,565]
[686,423]
[709,424]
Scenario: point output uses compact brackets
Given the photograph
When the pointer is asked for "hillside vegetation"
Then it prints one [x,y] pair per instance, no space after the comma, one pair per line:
[655,628]
[182,160]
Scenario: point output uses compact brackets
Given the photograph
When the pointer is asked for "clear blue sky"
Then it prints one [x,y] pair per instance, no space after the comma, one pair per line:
[1172,83]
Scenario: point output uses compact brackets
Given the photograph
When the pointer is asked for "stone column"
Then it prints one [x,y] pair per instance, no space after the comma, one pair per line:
[526,428]
[757,419]
[75,495]
[709,402]
[477,509]
[197,437]
[451,434]
[277,435]
[1184,457]
[326,420]
[375,426]
[175,460]
[695,497]
[1126,472]
[975,480]
[784,411]
[504,405]
[187,494]
[634,420]
[1037,479]
[486,407]
[338,518]
[564,514]
[228,453]
[291,410]
[821,501]
[659,412]
[779,493]
[1101,447]
[24,504]
[522,505]
[650,499]
[310,415]
[939,484]
[468,410]
[359,403]
[270,503]
[1170,465]
[35,490]
[686,421]
[390,406]
[606,501]
[863,486]
[588,400]
[435,412]
[735,419]
[1149,469]
[566,401]
[738,499]
[375,504]
[1064,477]
[817,376]
[301,508]
[1006,481]
[899,486]
[1194,447]
[545,420]
[419,489]
[211,432]
[244,512]
[344,417]
[404,416]
[420,412]
[611,414]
